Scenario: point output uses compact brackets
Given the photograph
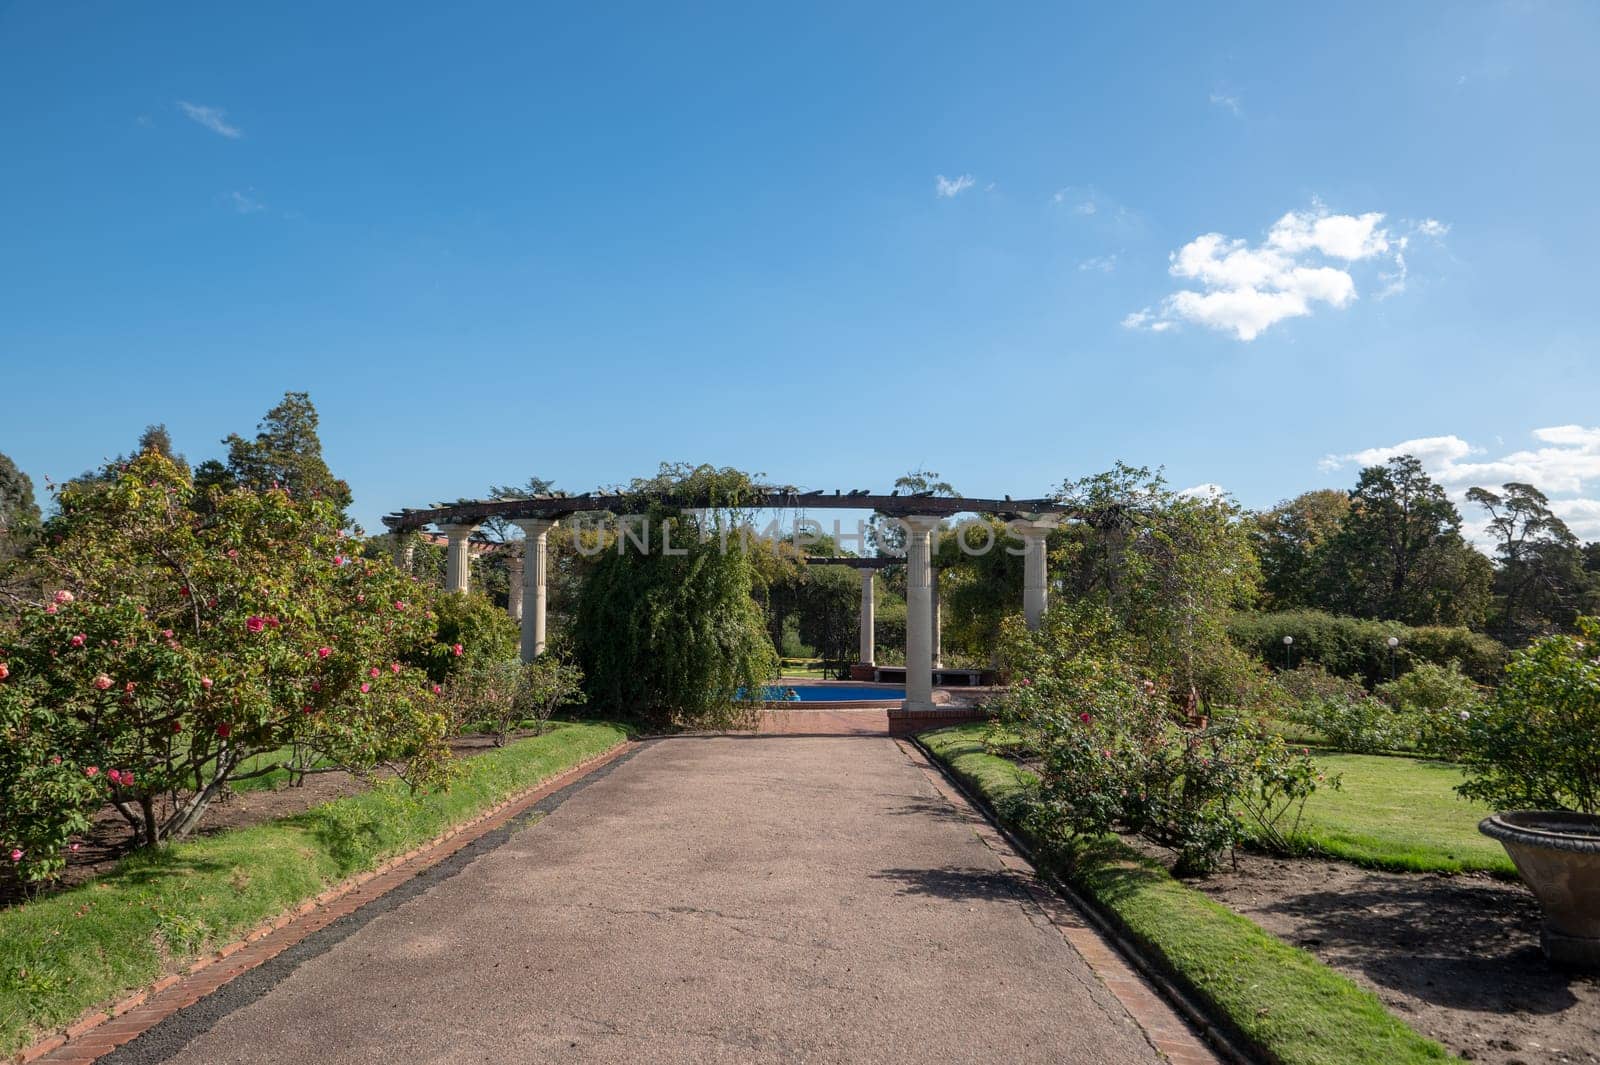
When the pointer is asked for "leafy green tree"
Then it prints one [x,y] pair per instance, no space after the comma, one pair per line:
[980,585]
[1288,540]
[670,631]
[19,511]
[1540,583]
[885,533]
[286,453]
[1399,553]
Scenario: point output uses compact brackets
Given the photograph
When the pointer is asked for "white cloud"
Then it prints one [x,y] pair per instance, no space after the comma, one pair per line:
[1102,263]
[947,188]
[1246,289]
[245,203]
[1432,227]
[1220,98]
[1209,490]
[1566,468]
[212,118]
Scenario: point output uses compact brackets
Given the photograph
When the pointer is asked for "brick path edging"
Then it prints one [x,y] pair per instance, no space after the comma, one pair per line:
[103,1029]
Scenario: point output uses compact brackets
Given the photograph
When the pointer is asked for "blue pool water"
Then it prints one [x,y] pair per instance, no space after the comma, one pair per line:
[835,693]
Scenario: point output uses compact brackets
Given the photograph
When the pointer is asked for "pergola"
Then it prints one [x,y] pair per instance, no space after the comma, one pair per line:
[920,515]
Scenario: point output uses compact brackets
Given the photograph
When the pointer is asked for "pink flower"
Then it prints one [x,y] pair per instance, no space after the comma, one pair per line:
[394,667]
[324,652]
[55,759]
[233,552]
[1084,717]
[177,726]
[5,671]
[316,685]
[102,682]
[184,591]
[224,730]
[437,689]
[1024,682]
[205,682]
[77,641]
[272,620]
[114,776]
[398,605]
[373,672]
[254,623]
[50,608]
[365,688]
[91,770]
[457,650]
[305,709]
[63,597]
[73,847]
[338,560]
[16,855]
[166,634]
[128,687]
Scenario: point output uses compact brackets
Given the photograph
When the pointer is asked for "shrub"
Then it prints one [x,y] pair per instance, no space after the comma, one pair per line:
[1116,757]
[471,629]
[1358,648]
[186,642]
[1358,723]
[1439,701]
[1536,744]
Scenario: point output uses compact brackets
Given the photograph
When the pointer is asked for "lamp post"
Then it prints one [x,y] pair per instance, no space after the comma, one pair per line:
[1393,642]
[1288,652]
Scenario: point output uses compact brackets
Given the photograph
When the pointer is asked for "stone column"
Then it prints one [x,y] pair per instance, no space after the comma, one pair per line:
[536,532]
[938,638]
[405,548]
[514,585]
[458,558]
[919,612]
[1035,582]
[869,650]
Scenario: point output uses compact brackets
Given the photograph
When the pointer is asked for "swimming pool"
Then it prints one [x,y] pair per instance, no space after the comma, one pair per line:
[836,693]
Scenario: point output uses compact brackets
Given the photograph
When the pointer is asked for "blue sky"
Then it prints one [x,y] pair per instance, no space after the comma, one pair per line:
[827,243]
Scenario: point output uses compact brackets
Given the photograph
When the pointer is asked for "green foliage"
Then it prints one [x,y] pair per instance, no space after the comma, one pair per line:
[1440,700]
[1358,647]
[287,453]
[1536,745]
[68,952]
[673,635]
[495,695]
[19,511]
[1288,539]
[1287,1005]
[1399,553]
[980,584]
[178,644]
[1116,756]
[1356,722]
[1540,583]
[470,631]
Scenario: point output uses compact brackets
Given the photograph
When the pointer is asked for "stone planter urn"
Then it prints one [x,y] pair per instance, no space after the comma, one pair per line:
[1558,855]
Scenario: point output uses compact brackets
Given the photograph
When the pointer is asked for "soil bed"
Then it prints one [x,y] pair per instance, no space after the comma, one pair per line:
[1456,956]
[110,839]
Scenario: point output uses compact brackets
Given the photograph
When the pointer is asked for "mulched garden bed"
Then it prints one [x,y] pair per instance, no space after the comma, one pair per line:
[110,839]
[1456,956]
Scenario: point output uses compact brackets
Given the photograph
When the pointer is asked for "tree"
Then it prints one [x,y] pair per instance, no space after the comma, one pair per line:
[887,535]
[1399,553]
[1539,582]
[286,453]
[1288,540]
[19,511]
[181,647]
[670,631]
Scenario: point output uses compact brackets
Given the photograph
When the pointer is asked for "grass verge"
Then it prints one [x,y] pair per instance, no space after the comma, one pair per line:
[1400,814]
[161,909]
[1278,999]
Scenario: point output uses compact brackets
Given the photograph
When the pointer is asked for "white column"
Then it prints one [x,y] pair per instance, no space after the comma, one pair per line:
[514,585]
[458,562]
[919,612]
[938,638]
[1035,586]
[869,649]
[536,532]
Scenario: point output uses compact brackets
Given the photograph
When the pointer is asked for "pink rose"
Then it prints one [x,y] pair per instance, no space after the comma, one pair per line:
[324,652]
[102,682]
[205,682]
[457,650]
[74,847]
[63,597]
[5,671]
[437,689]
[338,560]
[114,776]
[224,730]
[50,609]
[373,672]
[305,709]
[1084,717]
[166,634]
[394,667]
[365,688]
[77,641]
[398,605]
[233,552]
[255,624]
[16,855]
[91,770]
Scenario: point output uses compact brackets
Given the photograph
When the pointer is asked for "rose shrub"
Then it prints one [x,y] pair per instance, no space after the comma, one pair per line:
[1536,744]
[188,640]
[1118,756]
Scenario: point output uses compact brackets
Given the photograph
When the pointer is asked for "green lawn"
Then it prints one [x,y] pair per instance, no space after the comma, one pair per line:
[158,910]
[1290,1006]
[1401,814]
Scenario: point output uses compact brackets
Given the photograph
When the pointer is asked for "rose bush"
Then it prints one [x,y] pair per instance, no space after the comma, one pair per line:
[190,641]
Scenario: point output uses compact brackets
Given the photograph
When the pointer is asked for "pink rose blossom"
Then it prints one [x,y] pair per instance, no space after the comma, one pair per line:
[50,609]
[102,682]
[437,689]
[365,688]
[64,597]
[77,641]
[205,682]
[324,652]
[398,605]
[74,847]
[233,552]
[254,623]
[394,667]
[16,855]
[457,650]
[373,672]
[91,770]
[115,776]
[1084,717]
[224,730]
[5,671]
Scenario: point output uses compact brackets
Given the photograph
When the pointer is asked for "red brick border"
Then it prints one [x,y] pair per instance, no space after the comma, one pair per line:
[106,1028]
[1166,1029]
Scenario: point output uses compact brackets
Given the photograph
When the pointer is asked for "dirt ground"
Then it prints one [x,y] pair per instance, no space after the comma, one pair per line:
[1456,956]
[110,838]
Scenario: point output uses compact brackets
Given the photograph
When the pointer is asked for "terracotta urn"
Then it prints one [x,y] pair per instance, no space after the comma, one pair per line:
[1558,855]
